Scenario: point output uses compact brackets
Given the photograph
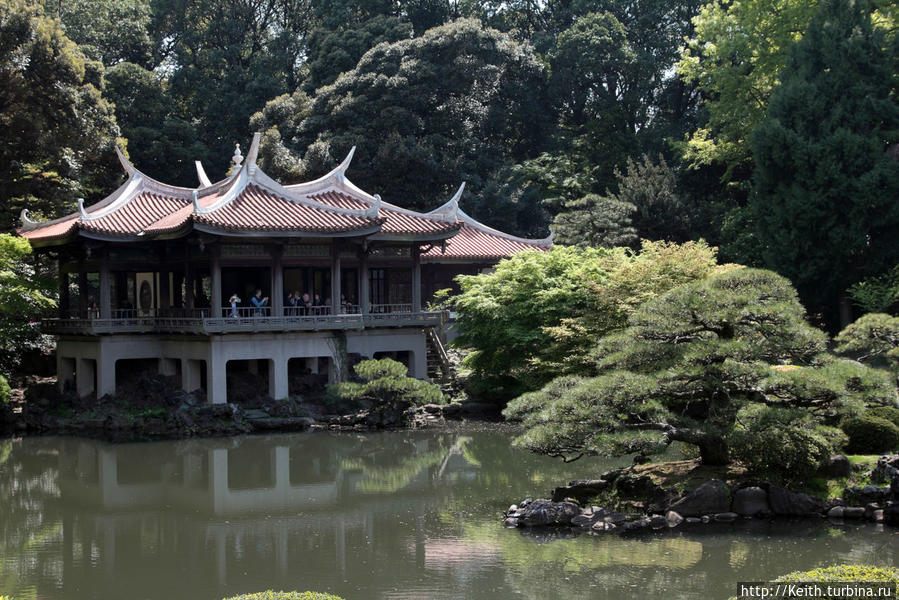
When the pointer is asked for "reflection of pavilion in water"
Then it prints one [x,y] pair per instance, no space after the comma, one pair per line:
[289,493]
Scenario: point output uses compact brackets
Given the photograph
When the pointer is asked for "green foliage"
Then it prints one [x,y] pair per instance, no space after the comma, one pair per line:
[735,55]
[888,413]
[110,31]
[59,132]
[845,574]
[385,386]
[595,221]
[821,153]
[782,443]
[458,103]
[270,595]
[870,338]
[5,390]
[23,296]
[726,364]
[538,314]
[869,434]
[878,293]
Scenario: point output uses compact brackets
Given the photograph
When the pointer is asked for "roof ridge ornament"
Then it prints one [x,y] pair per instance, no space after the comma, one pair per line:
[340,172]
[236,159]
[81,212]
[375,209]
[126,164]
[27,222]
[253,154]
[201,175]
[194,199]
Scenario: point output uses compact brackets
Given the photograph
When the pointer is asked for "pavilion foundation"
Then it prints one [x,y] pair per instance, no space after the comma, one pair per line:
[88,364]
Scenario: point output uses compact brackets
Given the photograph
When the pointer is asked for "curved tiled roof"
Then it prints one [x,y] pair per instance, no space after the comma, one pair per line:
[249,202]
[257,209]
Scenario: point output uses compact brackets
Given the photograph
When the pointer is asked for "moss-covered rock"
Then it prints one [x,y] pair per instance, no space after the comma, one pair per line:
[844,573]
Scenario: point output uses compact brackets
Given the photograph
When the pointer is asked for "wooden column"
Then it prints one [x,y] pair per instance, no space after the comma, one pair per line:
[336,287]
[165,288]
[215,273]
[364,293]
[277,300]
[188,280]
[63,291]
[82,289]
[416,278]
[105,287]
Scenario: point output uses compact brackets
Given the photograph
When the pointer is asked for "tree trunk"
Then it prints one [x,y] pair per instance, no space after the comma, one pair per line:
[845,310]
[713,449]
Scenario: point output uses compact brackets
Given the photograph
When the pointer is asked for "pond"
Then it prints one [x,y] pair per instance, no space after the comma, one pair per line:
[397,515]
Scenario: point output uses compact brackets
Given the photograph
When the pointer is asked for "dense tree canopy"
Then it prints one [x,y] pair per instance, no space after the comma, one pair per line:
[538,314]
[826,182]
[718,364]
[58,131]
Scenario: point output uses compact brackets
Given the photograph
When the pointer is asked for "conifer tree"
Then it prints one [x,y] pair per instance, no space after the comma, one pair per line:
[826,182]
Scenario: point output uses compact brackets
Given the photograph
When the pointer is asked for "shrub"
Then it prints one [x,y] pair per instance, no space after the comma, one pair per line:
[870,435]
[270,595]
[386,387]
[844,573]
[5,390]
[888,413]
[782,451]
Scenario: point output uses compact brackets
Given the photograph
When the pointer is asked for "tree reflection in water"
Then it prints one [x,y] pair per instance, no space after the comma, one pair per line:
[387,515]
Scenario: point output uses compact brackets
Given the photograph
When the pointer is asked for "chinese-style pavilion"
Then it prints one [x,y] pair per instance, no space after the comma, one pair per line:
[148,273]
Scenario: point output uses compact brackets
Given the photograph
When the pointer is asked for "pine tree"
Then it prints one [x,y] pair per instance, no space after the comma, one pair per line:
[825,183]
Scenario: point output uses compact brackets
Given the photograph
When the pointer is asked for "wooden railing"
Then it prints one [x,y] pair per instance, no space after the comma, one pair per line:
[200,321]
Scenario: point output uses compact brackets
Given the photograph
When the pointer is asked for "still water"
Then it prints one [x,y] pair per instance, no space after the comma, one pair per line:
[404,515]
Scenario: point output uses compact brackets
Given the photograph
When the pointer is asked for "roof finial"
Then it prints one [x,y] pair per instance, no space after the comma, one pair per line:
[201,174]
[375,209]
[81,210]
[196,203]
[253,153]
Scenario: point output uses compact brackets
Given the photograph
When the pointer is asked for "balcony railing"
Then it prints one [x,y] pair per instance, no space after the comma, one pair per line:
[240,320]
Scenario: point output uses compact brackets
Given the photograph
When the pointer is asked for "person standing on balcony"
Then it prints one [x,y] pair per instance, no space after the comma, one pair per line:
[259,302]
[234,300]
[306,304]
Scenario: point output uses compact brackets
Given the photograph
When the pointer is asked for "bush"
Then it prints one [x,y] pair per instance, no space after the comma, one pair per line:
[270,595]
[888,413]
[870,435]
[844,573]
[781,451]
[5,390]
[386,387]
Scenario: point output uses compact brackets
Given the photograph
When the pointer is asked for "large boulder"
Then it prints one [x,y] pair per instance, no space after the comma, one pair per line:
[839,466]
[785,502]
[711,497]
[891,515]
[750,501]
[541,513]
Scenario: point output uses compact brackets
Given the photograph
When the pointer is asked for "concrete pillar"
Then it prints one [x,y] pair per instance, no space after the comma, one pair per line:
[190,374]
[65,371]
[336,287]
[216,381]
[215,271]
[364,294]
[416,278]
[277,378]
[168,366]
[85,372]
[418,363]
[105,376]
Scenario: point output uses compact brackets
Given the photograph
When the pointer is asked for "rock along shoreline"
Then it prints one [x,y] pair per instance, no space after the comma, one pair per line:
[711,502]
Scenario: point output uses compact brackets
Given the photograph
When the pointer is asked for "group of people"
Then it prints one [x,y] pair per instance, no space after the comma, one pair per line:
[304,304]
[296,305]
